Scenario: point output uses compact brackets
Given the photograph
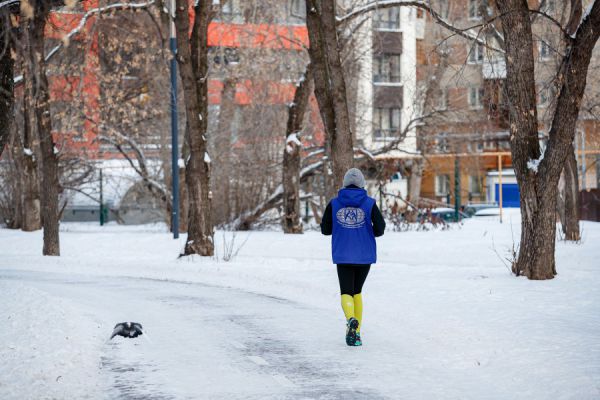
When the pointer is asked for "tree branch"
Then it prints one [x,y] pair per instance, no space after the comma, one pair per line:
[116,6]
[141,168]
[383,4]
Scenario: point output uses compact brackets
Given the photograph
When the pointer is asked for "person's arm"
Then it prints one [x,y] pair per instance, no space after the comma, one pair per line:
[327,221]
[378,221]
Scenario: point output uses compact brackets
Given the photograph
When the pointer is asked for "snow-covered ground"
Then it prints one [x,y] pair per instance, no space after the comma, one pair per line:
[444,319]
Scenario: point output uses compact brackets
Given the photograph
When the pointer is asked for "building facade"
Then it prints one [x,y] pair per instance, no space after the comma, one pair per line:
[113,79]
[465,80]
[409,80]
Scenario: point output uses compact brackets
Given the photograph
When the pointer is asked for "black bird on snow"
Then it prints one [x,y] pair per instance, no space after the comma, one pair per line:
[127,330]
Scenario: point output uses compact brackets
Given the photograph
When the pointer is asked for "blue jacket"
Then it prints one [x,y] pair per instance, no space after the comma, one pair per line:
[353,240]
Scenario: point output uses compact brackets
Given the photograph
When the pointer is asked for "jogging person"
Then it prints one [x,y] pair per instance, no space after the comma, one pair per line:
[354,221]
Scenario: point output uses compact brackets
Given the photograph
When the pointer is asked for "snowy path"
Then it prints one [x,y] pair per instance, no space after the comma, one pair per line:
[206,341]
[443,319]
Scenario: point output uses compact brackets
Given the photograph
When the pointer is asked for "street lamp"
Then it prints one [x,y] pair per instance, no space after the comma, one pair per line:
[174,131]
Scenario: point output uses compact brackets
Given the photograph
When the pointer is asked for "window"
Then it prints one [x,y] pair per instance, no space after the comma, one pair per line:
[441,143]
[386,68]
[444,9]
[474,185]
[544,98]
[386,122]
[478,147]
[545,51]
[547,95]
[474,9]
[442,103]
[548,6]
[490,145]
[442,185]
[236,124]
[67,119]
[231,7]
[298,8]
[476,52]
[224,55]
[388,18]
[476,97]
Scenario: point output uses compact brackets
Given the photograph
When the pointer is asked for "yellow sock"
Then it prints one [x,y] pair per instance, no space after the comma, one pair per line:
[348,306]
[358,309]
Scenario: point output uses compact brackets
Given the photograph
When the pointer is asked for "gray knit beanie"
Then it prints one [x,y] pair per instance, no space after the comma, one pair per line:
[354,177]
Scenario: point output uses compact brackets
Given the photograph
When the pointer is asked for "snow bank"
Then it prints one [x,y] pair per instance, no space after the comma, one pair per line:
[48,350]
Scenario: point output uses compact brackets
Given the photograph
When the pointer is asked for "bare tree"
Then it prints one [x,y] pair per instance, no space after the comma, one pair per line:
[330,86]
[570,220]
[6,77]
[132,117]
[10,190]
[538,174]
[36,15]
[291,155]
[192,58]
[26,148]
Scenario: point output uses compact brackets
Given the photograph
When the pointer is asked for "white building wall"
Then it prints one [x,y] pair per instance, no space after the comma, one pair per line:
[408,69]
[408,62]
[364,98]
[409,25]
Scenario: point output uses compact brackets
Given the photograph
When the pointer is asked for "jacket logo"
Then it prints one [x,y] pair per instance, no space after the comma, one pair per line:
[351,217]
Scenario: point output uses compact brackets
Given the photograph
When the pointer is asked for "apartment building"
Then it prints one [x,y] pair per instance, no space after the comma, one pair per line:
[466,83]
[402,66]
[113,77]
[387,80]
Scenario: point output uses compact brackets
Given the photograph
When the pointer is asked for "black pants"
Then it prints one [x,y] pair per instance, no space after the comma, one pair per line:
[352,277]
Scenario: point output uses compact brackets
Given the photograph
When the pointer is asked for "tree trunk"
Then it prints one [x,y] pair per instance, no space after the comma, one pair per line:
[570,222]
[316,212]
[291,155]
[30,199]
[192,58]
[536,250]
[570,200]
[6,82]
[223,148]
[538,176]
[9,136]
[14,150]
[183,202]
[49,161]
[330,87]
[31,219]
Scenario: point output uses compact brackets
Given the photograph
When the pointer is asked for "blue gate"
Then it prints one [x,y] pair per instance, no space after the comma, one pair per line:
[510,195]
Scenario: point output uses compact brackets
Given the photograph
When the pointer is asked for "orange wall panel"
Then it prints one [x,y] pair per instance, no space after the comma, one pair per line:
[257,36]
